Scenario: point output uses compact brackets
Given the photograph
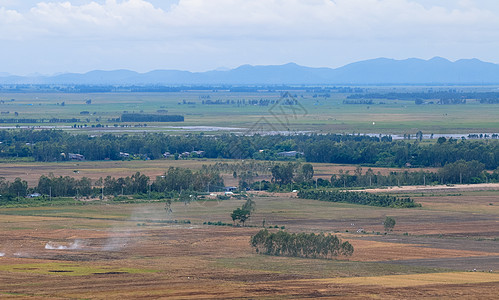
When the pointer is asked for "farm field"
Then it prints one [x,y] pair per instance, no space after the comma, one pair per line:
[312,114]
[31,171]
[98,250]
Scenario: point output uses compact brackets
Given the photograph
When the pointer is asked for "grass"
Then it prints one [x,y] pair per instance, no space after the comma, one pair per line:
[320,115]
[196,261]
[95,212]
[70,269]
[454,278]
[317,268]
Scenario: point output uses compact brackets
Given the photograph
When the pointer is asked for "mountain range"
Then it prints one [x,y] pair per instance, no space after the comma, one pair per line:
[375,71]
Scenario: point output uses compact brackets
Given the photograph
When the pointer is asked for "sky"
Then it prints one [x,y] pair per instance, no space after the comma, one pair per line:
[50,37]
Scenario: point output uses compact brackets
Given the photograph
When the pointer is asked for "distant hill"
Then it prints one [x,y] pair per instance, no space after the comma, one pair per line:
[375,71]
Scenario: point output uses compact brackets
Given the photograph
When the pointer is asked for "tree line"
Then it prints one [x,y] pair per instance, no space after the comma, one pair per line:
[173,182]
[361,198]
[459,172]
[140,117]
[308,245]
[47,145]
[445,96]
[291,176]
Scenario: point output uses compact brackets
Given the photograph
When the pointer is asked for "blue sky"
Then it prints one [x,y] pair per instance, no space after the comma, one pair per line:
[78,36]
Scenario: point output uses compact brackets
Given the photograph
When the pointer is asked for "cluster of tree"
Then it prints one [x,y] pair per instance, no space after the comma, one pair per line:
[174,180]
[9,191]
[64,186]
[358,101]
[400,153]
[462,171]
[361,198]
[135,184]
[444,97]
[178,179]
[138,117]
[482,136]
[283,174]
[47,145]
[261,167]
[243,102]
[452,173]
[369,178]
[52,120]
[490,101]
[312,245]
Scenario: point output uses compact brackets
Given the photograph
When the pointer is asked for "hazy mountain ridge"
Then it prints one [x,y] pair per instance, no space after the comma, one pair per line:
[375,71]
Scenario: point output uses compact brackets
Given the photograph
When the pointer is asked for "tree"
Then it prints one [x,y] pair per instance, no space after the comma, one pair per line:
[389,223]
[19,187]
[244,213]
[462,171]
[240,215]
[306,245]
[307,171]
[249,205]
[419,135]
[282,174]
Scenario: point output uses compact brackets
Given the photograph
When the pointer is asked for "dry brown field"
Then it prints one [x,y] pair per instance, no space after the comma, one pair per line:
[129,251]
[31,171]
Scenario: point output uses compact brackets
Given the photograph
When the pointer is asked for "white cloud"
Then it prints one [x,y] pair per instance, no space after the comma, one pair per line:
[9,16]
[258,19]
[231,32]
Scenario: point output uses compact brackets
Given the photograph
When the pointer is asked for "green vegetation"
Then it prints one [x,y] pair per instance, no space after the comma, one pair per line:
[51,145]
[318,268]
[311,245]
[173,182]
[244,213]
[325,111]
[361,198]
[151,118]
[389,223]
[70,269]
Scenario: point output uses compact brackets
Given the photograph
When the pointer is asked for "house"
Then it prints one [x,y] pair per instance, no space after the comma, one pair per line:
[290,153]
[74,156]
[230,188]
[124,155]
[184,154]
[199,153]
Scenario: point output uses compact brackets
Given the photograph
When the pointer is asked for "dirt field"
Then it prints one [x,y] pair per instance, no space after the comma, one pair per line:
[101,251]
[438,188]
[31,171]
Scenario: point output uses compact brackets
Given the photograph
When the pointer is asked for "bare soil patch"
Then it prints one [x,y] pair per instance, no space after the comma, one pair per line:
[117,258]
